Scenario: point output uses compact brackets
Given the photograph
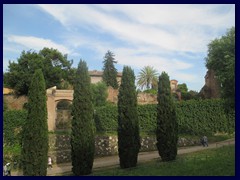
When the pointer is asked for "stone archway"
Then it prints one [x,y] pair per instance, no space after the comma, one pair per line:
[63,115]
[54,96]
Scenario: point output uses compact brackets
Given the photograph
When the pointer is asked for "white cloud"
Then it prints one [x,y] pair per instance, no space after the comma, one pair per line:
[36,43]
[169,37]
[170,27]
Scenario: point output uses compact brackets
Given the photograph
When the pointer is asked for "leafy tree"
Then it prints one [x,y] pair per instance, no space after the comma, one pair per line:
[147,78]
[167,128]
[128,128]
[54,65]
[99,94]
[35,130]
[183,88]
[221,59]
[82,135]
[109,71]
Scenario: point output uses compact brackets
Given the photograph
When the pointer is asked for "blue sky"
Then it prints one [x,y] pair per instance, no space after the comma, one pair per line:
[171,38]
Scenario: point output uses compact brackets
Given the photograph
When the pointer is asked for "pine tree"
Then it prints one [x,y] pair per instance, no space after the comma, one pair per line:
[128,128]
[35,130]
[109,71]
[167,128]
[82,136]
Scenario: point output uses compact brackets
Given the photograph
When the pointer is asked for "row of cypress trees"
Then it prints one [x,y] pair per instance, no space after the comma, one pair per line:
[35,132]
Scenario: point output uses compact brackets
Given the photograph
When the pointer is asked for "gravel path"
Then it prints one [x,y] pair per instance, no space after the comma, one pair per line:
[113,161]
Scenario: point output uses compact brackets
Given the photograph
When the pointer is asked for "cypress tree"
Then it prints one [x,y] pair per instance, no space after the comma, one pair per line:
[167,128]
[35,130]
[82,135]
[128,128]
[109,71]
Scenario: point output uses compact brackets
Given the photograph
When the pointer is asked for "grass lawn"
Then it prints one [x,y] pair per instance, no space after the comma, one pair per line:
[212,162]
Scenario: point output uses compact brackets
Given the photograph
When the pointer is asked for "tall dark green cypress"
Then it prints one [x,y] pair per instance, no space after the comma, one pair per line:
[109,71]
[128,128]
[167,127]
[82,136]
[35,130]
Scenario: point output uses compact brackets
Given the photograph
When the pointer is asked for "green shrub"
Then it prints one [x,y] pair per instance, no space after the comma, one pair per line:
[100,94]
[13,121]
[199,117]
[106,118]
[195,117]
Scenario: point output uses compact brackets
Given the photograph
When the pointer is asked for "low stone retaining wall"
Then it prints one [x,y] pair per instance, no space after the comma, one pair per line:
[60,148]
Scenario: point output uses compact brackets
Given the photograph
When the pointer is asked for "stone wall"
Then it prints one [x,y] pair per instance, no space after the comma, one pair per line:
[146,98]
[15,103]
[142,98]
[60,148]
[211,89]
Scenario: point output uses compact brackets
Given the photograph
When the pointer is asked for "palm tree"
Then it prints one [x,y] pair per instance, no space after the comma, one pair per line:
[148,77]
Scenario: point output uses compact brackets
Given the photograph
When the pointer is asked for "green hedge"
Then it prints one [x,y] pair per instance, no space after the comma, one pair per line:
[106,118]
[195,117]
[204,117]
[12,126]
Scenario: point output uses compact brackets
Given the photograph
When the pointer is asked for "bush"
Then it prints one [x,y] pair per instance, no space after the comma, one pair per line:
[204,117]
[195,117]
[100,94]
[13,121]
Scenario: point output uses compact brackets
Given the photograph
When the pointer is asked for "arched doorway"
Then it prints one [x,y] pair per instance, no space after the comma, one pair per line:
[63,115]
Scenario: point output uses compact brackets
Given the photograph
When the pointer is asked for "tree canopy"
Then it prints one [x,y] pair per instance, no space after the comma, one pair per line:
[53,63]
[109,70]
[147,78]
[183,87]
[221,59]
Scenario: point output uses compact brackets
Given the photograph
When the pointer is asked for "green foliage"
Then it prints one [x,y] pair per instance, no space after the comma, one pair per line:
[106,118]
[182,87]
[99,94]
[151,91]
[147,115]
[54,65]
[128,128]
[167,127]
[64,104]
[147,78]
[221,59]
[13,121]
[82,136]
[109,71]
[35,130]
[189,95]
[12,154]
[204,117]
[195,117]
[5,105]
